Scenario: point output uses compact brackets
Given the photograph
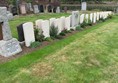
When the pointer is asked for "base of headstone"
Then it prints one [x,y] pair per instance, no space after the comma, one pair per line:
[9,48]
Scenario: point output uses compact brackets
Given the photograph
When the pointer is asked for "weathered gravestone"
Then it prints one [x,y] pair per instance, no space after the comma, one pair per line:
[41,8]
[36,9]
[8,46]
[65,9]
[83,5]
[58,10]
[9,15]
[82,18]
[74,19]
[45,28]
[29,7]
[14,11]
[28,33]
[67,23]
[23,8]
[20,33]
[49,8]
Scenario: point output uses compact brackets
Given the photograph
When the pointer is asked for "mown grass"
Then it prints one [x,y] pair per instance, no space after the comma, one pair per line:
[31,18]
[89,56]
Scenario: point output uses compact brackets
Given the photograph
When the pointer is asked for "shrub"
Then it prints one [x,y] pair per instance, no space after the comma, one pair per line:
[102,19]
[78,28]
[53,31]
[35,44]
[89,22]
[62,33]
[84,24]
[110,16]
[48,39]
[39,35]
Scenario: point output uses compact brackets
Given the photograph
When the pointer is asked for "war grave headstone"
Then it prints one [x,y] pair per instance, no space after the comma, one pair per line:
[8,46]
[67,23]
[28,33]
[52,20]
[62,19]
[98,16]
[83,5]
[23,9]
[91,17]
[45,28]
[20,33]
[74,19]
[94,18]
[36,9]
[82,18]
[58,24]
[87,17]
[38,23]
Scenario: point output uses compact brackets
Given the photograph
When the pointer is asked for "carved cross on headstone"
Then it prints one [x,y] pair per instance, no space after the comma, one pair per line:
[8,46]
[5,24]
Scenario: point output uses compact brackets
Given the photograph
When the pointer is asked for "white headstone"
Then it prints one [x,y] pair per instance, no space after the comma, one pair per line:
[45,28]
[62,23]
[87,17]
[83,6]
[67,23]
[82,18]
[52,21]
[28,33]
[94,18]
[98,16]
[91,17]
[38,23]
[58,24]
[74,19]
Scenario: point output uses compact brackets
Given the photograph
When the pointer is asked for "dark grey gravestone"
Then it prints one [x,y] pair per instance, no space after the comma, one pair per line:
[20,33]
[41,8]
[14,11]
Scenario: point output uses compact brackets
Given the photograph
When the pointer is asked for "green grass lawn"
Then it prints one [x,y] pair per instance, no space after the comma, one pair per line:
[90,56]
[31,18]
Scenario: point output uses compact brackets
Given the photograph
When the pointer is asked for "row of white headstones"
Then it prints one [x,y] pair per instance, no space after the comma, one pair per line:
[62,23]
